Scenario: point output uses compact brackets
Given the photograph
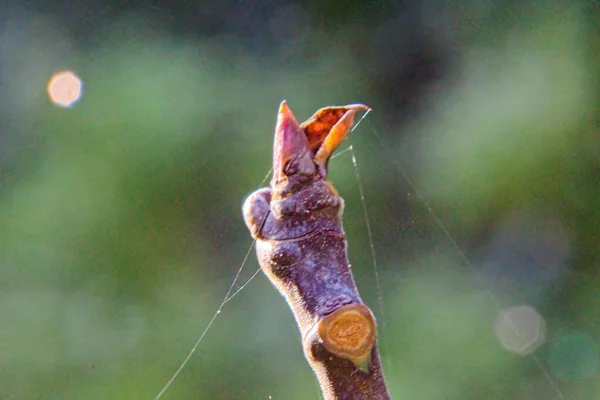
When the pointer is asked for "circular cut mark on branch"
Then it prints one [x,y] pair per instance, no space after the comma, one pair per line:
[349,332]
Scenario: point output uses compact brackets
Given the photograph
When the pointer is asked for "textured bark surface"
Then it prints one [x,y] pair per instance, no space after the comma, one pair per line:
[302,248]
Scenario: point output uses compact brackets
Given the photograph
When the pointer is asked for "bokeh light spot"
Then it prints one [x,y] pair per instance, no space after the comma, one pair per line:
[574,357]
[64,89]
[520,329]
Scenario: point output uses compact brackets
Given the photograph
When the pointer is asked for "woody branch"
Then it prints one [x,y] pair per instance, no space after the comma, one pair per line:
[302,248]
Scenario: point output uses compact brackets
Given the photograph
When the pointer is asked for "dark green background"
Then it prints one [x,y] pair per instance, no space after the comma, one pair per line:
[120,218]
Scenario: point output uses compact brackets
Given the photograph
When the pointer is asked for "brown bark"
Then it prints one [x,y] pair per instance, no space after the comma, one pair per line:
[302,248]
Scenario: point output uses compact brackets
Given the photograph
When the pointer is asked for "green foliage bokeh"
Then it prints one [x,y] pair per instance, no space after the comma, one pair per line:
[121,225]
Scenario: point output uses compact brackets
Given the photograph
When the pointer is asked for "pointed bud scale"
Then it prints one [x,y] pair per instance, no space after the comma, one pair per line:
[301,151]
[292,158]
[327,129]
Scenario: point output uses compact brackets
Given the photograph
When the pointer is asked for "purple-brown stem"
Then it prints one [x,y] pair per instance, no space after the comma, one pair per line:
[302,248]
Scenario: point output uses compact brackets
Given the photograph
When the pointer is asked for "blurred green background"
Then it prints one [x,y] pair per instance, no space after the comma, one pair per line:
[120,216]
